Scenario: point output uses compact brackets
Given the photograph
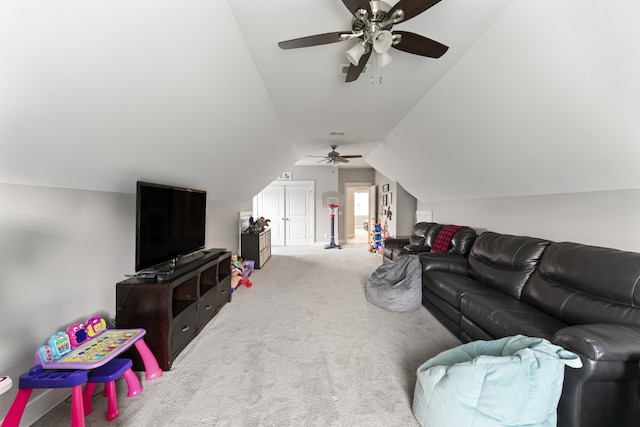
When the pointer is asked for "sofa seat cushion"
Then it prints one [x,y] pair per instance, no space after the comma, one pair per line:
[451,287]
[502,316]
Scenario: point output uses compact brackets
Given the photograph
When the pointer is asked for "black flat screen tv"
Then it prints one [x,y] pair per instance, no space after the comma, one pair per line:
[170,221]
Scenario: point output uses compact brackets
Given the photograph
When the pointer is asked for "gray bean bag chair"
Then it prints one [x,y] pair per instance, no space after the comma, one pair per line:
[397,286]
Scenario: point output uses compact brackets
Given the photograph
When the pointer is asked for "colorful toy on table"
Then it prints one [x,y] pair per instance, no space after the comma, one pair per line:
[45,354]
[62,343]
[58,345]
[92,344]
[77,334]
[95,325]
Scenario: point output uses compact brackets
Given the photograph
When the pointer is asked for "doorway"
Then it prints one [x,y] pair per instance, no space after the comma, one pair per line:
[358,215]
[289,206]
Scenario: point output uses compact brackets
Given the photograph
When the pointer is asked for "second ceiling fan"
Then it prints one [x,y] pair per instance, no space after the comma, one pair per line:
[334,158]
[371,25]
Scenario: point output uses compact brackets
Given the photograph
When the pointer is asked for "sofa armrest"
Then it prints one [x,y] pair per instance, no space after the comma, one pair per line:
[395,242]
[415,249]
[599,341]
[441,261]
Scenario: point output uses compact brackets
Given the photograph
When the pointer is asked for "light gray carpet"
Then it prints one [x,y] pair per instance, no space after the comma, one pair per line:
[302,347]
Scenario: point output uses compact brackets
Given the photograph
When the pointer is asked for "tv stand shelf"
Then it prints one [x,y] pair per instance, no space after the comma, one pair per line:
[174,308]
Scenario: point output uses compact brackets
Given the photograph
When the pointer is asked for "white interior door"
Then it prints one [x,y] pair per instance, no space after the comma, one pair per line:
[289,206]
[270,203]
[298,215]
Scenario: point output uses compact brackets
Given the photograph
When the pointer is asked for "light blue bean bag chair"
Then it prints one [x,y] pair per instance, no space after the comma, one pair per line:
[513,381]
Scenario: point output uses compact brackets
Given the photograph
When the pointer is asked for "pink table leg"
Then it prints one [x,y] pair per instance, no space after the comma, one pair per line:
[133,383]
[112,401]
[17,408]
[77,407]
[87,398]
[151,366]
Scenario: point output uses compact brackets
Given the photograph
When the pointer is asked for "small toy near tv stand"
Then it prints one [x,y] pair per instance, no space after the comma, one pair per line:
[175,306]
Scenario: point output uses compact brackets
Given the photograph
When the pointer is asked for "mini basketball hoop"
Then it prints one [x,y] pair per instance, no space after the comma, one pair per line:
[332,200]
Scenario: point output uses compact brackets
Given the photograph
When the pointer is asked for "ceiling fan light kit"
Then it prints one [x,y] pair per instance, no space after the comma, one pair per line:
[355,53]
[372,25]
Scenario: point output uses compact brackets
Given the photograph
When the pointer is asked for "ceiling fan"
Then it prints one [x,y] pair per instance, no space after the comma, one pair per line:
[371,25]
[334,158]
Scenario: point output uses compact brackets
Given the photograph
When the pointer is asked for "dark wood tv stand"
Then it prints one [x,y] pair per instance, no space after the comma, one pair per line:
[175,307]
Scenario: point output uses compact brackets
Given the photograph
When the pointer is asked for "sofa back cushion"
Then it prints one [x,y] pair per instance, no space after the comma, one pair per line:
[581,284]
[431,235]
[419,232]
[460,243]
[505,262]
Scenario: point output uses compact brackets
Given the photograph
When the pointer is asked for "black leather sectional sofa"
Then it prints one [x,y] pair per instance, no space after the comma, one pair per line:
[422,238]
[583,298]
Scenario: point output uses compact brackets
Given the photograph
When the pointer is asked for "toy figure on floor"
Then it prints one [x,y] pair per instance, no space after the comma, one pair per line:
[239,273]
[257,226]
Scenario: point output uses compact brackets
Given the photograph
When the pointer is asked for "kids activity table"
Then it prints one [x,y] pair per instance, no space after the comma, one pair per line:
[104,347]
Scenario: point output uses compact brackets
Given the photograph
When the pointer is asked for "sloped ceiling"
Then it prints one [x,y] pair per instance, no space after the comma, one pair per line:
[96,95]
[546,102]
[531,98]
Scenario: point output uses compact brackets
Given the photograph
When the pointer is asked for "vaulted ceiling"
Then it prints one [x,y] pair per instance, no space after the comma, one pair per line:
[531,98]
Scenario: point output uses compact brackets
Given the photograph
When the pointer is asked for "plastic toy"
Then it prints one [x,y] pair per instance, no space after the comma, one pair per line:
[257,226]
[77,334]
[95,325]
[376,242]
[240,271]
[332,200]
[59,344]
[5,384]
[45,354]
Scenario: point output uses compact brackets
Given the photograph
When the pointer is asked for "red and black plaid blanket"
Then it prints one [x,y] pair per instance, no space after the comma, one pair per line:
[443,239]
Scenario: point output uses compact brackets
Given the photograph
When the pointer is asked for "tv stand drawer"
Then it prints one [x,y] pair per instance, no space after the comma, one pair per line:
[185,327]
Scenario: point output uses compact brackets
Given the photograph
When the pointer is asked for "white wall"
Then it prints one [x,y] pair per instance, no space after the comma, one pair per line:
[404,211]
[61,254]
[223,224]
[601,218]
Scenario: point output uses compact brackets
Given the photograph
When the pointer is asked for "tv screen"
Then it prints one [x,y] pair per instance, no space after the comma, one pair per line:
[170,222]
